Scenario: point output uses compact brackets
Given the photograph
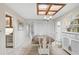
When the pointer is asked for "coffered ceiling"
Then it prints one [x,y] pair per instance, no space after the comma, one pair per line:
[48,8]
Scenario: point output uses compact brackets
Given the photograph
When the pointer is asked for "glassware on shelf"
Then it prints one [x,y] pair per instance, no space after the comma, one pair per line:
[74,26]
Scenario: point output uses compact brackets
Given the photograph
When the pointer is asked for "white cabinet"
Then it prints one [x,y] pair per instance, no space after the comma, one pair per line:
[70,42]
[66,43]
[75,47]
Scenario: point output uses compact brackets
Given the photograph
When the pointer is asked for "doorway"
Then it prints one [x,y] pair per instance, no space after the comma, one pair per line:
[58,33]
[9,31]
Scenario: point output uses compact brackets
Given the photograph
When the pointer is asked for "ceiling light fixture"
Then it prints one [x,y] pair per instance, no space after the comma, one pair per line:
[47,17]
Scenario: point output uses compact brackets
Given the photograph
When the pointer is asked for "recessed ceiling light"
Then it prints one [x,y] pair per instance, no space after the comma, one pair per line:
[50,17]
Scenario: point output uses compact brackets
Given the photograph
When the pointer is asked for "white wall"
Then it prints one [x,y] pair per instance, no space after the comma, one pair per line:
[20,37]
[44,28]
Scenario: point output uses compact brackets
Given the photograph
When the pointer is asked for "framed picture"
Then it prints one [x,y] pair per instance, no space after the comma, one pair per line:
[20,26]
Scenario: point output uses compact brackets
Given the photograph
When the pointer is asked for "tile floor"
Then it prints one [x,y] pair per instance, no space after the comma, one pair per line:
[33,50]
[53,51]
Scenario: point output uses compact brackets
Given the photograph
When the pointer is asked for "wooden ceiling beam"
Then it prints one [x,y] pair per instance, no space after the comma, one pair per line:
[58,4]
[48,9]
[37,8]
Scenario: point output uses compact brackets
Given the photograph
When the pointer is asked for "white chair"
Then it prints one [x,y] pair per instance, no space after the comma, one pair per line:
[44,47]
